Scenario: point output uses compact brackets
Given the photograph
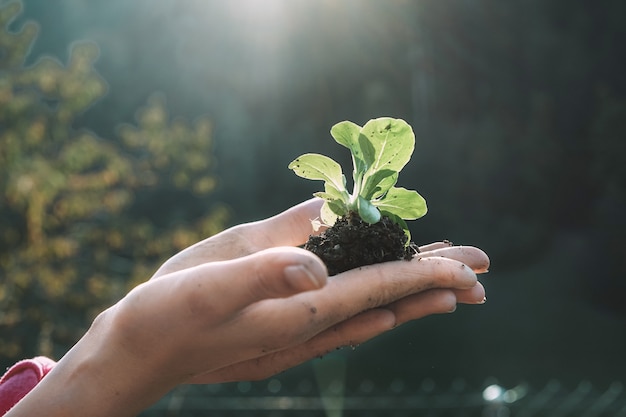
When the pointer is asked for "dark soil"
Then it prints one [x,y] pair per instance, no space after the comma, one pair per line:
[351,243]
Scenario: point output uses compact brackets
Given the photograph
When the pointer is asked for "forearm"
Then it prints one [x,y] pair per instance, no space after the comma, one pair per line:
[94,380]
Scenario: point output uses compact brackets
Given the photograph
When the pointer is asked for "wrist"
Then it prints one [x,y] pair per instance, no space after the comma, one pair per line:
[98,378]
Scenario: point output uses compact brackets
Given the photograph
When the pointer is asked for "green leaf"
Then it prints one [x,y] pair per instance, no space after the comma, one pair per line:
[324,196]
[331,193]
[328,214]
[368,151]
[348,134]
[379,183]
[384,186]
[338,207]
[319,167]
[368,212]
[336,201]
[393,141]
[407,204]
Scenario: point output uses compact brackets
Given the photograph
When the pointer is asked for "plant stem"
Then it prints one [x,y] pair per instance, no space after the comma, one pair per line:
[358,183]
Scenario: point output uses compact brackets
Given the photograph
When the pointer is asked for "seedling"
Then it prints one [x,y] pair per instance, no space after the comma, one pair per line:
[380,149]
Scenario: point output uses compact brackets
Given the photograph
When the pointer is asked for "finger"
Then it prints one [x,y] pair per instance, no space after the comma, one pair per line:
[353,292]
[417,306]
[435,301]
[382,284]
[352,332]
[436,245]
[474,295]
[230,286]
[345,314]
[307,314]
[469,255]
[350,293]
[290,228]
[366,326]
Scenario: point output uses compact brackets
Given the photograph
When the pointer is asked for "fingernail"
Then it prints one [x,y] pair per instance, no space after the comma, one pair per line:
[453,309]
[301,277]
[483,301]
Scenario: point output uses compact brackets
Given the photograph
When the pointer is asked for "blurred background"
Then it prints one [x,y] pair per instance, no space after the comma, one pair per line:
[129,130]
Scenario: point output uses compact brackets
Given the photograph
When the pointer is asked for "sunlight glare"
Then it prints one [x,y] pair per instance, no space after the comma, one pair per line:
[264,19]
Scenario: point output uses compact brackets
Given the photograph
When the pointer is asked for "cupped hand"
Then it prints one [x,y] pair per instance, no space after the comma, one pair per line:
[253,281]
[358,305]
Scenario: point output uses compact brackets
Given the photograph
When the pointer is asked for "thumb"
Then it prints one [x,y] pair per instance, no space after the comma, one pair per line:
[284,271]
[271,273]
[289,228]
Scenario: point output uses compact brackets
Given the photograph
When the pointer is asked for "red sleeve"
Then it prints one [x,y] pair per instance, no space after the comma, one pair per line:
[20,379]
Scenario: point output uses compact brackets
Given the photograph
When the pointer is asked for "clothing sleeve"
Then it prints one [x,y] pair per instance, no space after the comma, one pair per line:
[20,379]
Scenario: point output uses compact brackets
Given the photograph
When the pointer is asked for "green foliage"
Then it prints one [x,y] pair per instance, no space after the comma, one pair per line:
[81,217]
[380,149]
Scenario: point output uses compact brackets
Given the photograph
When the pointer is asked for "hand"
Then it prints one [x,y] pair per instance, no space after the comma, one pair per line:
[374,317]
[245,304]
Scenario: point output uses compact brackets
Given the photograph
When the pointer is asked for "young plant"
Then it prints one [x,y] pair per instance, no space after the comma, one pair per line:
[380,149]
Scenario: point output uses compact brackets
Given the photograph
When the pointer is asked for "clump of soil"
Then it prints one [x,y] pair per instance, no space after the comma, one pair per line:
[351,243]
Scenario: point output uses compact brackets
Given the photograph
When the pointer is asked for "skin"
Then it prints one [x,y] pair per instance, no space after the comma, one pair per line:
[244,305]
